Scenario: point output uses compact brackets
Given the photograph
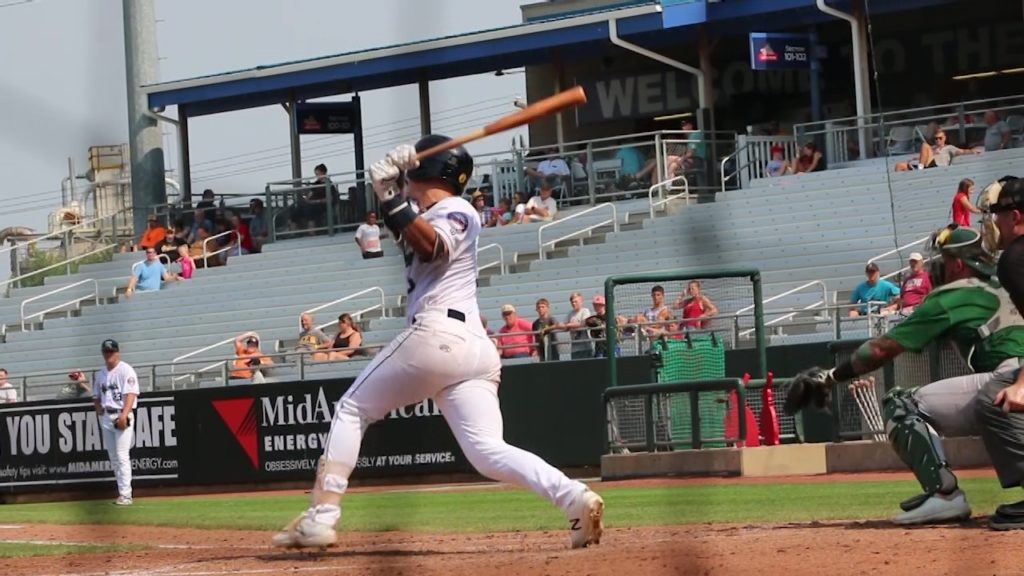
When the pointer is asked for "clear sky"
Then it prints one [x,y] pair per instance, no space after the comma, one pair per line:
[62,86]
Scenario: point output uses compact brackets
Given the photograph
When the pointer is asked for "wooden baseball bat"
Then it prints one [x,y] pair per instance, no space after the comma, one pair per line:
[572,97]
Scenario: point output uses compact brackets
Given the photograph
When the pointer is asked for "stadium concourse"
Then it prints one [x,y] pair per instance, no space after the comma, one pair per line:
[797,229]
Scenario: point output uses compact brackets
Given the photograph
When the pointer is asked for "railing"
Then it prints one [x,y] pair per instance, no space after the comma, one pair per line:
[540,231]
[95,296]
[752,157]
[500,262]
[164,259]
[661,187]
[801,288]
[207,254]
[66,263]
[900,249]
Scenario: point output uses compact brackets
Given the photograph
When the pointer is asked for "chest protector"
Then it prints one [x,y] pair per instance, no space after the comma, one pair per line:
[1006,316]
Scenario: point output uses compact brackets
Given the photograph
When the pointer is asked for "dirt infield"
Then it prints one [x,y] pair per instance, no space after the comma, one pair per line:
[796,549]
[793,550]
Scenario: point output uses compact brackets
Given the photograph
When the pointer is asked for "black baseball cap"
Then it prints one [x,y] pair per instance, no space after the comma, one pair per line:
[1011,195]
[110,345]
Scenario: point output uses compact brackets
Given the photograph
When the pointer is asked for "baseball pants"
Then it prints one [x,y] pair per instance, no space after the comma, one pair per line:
[1002,433]
[119,443]
[948,405]
[444,359]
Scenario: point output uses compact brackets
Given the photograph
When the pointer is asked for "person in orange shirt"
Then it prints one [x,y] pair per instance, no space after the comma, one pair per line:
[153,236]
[249,361]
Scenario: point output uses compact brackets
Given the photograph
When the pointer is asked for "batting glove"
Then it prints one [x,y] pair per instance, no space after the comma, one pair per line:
[404,157]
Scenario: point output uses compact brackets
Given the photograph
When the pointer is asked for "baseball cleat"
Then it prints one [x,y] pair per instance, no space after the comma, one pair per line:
[586,523]
[123,501]
[306,532]
[937,508]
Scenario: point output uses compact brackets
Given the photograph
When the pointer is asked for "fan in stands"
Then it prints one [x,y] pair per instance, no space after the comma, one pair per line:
[968,308]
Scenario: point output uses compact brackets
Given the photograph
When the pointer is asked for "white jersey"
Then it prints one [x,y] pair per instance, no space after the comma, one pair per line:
[447,283]
[369,237]
[111,386]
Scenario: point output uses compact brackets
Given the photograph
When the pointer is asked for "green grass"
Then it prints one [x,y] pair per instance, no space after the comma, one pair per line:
[492,511]
[22,550]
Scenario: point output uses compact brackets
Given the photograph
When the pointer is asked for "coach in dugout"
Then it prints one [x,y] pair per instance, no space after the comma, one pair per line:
[999,405]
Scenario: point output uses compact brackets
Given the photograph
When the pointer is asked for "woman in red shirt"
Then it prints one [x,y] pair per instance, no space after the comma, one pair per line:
[962,205]
[697,308]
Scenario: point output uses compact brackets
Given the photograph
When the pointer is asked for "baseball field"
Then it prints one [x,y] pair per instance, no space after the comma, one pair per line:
[834,524]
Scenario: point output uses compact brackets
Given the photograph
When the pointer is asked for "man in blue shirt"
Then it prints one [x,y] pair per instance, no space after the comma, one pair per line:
[874,289]
[149,275]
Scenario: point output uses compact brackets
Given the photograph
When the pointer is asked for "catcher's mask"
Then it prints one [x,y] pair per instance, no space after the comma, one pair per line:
[963,243]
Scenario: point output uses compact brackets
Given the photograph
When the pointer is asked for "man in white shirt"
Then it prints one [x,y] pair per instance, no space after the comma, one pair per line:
[115,389]
[542,207]
[368,238]
[8,393]
[554,167]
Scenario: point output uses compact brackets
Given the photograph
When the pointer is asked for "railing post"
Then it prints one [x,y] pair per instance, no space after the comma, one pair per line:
[960,111]
[659,159]
[152,378]
[330,209]
[695,419]
[225,376]
[302,366]
[67,252]
[24,388]
[269,211]
[591,180]
[649,422]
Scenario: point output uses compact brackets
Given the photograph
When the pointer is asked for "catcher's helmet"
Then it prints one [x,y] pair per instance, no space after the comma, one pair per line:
[454,167]
[965,244]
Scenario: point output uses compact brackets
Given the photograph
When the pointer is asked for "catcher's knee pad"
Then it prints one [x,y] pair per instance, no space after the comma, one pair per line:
[916,442]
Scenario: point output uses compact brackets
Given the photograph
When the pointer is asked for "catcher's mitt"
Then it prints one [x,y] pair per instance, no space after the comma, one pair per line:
[813,385]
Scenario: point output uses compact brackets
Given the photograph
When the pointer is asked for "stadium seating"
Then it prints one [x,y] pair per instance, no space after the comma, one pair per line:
[795,229]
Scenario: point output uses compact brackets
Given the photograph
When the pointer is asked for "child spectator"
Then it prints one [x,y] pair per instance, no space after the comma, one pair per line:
[597,322]
[520,343]
[188,265]
[543,326]
[657,314]
[778,165]
[962,205]
[368,237]
[518,208]
[348,340]
[574,322]
[697,308]
[503,213]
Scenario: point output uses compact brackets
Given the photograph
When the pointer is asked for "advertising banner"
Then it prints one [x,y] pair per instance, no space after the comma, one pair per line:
[61,443]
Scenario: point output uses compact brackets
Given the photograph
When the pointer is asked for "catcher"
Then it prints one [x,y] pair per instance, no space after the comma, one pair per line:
[978,316]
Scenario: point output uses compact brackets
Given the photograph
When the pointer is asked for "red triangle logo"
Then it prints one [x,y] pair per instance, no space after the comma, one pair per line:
[239,415]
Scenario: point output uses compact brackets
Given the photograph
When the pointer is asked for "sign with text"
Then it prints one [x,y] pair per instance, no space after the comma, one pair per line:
[63,444]
[771,51]
[637,96]
[326,117]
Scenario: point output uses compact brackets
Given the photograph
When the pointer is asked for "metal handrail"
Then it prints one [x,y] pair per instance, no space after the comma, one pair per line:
[823,301]
[60,234]
[164,258]
[357,314]
[95,296]
[11,281]
[540,231]
[735,154]
[500,263]
[900,249]
[222,250]
[663,199]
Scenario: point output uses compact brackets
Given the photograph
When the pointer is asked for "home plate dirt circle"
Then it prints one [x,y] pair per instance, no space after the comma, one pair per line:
[839,548]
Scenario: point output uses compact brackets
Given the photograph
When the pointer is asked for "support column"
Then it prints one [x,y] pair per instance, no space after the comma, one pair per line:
[424,105]
[184,159]
[293,138]
[817,109]
[363,190]
[706,115]
[865,74]
[145,139]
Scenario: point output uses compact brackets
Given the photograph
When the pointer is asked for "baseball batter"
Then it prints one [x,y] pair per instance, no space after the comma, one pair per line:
[980,319]
[444,354]
[114,391]
[1000,403]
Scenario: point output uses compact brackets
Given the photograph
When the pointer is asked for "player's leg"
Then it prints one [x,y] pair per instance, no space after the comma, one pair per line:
[474,415]
[913,420]
[1003,434]
[125,440]
[393,379]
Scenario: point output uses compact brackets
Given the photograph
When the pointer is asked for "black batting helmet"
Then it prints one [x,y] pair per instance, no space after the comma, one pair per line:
[454,167]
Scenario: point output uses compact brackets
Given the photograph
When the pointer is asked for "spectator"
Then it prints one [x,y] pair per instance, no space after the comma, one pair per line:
[242,236]
[597,322]
[778,165]
[915,286]
[178,237]
[997,135]
[581,346]
[257,225]
[874,289]
[205,210]
[543,326]
[368,237]
[810,160]
[312,339]
[631,161]
[154,234]
[250,362]
[549,169]
[196,249]
[8,393]
[316,203]
[678,157]
[657,314]
[518,208]
[348,341]
[149,275]
[480,205]
[520,342]
[932,156]
[188,265]
[77,387]
[504,212]
[542,207]
[962,205]
[697,308]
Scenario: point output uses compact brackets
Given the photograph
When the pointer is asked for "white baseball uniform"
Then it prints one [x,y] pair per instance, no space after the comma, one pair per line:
[444,354]
[111,387]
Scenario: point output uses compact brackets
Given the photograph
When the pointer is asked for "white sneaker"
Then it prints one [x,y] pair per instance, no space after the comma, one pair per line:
[123,501]
[586,520]
[306,532]
[938,508]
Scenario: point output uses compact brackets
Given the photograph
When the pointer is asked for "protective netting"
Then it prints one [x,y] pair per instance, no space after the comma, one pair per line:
[696,358]
[684,307]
